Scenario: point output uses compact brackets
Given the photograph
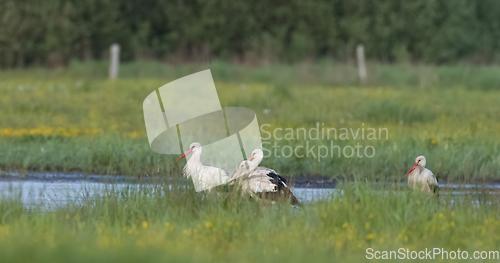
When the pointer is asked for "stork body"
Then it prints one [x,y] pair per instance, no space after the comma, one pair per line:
[203,175]
[264,183]
[421,178]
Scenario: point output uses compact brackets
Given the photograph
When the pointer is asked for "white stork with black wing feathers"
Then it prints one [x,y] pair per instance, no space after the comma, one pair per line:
[263,182]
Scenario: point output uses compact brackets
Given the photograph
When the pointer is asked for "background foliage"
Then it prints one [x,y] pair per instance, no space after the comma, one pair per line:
[53,32]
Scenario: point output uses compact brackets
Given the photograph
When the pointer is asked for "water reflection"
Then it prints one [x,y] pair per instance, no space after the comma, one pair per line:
[53,190]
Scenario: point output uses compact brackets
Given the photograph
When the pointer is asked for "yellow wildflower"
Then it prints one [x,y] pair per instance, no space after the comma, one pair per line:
[103,241]
[145,224]
[208,224]
[46,131]
[134,135]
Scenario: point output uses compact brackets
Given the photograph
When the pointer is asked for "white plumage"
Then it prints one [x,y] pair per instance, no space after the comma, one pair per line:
[255,180]
[256,158]
[204,177]
[422,178]
[261,181]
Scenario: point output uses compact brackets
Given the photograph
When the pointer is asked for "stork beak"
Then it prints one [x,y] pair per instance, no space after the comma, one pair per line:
[185,154]
[233,178]
[412,168]
[251,158]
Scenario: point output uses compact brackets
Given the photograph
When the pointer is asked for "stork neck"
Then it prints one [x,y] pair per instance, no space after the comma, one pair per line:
[195,159]
[255,162]
[419,169]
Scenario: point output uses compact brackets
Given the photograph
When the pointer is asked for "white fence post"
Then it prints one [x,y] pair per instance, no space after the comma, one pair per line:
[360,51]
[115,61]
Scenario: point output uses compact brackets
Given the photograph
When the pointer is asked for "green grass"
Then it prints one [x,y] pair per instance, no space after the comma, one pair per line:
[153,224]
[323,73]
[456,128]
[74,120]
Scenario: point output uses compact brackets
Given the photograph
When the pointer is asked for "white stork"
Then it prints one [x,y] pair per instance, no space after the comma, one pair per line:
[263,182]
[421,177]
[206,176]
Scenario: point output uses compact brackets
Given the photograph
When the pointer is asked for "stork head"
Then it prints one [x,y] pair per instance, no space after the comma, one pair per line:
[243,168]
[419,161]
[194,147]
[257,155]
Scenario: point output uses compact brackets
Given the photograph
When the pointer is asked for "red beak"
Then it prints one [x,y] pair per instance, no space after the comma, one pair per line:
[412,168]
[251,158]
[185,154]
[233,178]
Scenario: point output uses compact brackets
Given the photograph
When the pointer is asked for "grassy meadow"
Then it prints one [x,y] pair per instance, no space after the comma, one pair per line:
[76,121]
[68,121]
[155,223]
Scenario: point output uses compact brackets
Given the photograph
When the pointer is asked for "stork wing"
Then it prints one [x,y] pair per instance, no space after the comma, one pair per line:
[259,184]
[432,181]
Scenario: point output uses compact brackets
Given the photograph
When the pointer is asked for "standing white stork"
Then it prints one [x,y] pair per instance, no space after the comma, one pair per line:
[206,176]
[421,177]
[263,182]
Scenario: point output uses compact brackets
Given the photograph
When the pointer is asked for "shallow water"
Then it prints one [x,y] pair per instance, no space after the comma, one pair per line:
[51,194]
[51,190]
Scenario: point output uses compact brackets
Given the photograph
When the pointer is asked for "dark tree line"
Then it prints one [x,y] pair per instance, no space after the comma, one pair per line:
[51,32]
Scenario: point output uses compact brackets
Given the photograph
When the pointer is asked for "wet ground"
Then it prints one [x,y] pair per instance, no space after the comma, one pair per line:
[55,189]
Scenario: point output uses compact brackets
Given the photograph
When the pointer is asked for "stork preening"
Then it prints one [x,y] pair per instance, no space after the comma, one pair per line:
[263,182]
[255,158]
[206,176]
[421,178]
[253,162]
